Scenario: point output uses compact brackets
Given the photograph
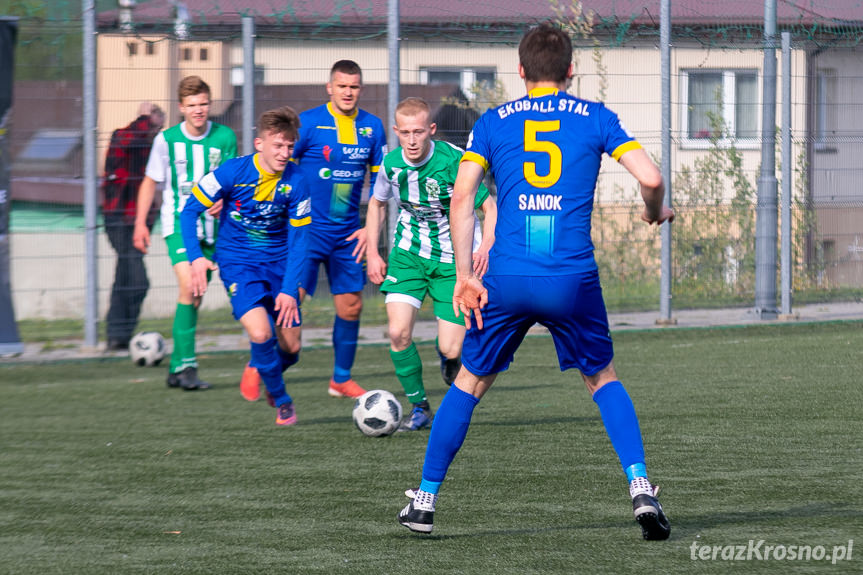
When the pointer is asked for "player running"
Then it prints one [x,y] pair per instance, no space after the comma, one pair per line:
[261,247]
[544,151]
[180,157]
[338,143]
[420,175]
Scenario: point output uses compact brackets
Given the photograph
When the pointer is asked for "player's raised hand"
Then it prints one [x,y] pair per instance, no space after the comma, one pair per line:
[141,238]
[469,296]
[360,249]
[376,268]
[289,311]
[200,267]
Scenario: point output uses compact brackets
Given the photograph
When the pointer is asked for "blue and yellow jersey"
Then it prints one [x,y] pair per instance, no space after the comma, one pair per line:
[263,219]
[544,151]
[334,152]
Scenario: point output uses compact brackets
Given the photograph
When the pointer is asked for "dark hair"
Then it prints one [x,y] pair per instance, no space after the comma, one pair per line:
[347,67]
[545,53]
[192,86]
[282,120]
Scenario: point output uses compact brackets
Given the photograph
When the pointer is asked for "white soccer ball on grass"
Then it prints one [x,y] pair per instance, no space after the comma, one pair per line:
[377,413]
[147,348]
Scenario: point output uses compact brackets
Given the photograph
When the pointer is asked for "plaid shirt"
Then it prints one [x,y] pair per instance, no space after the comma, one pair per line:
[125,163]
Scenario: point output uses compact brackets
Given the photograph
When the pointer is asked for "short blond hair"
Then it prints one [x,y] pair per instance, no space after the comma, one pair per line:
[413,106]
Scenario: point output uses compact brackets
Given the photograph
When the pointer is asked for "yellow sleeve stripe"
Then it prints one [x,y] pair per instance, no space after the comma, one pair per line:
[375,169]
[202,197]
[623,148]
[475,158]
[301,222]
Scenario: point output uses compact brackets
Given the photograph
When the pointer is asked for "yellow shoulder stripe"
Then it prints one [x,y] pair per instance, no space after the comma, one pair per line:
[202,197]
[301,222]
[475,158]
[623,148]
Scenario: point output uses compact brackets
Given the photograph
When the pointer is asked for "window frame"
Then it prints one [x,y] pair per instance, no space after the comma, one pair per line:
[729,108]
[467,76]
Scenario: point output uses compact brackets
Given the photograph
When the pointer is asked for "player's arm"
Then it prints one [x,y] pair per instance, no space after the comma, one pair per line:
[376,266]
[141,233]
[157,167]
[204,194]
[639,164]
[300,210]
[489,221]
[469,294]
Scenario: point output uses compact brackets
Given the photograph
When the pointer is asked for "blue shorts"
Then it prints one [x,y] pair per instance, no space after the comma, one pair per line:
[343,272]
[252,285]
[570,306]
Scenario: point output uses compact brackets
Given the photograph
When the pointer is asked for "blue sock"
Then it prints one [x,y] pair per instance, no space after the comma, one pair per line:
[266,360]
[287,359]
[345,335]
[450,427]
[621,424]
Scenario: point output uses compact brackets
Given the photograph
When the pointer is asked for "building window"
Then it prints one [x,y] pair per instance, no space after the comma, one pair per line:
[132,47]
[465,78]
[826,118]
[150,48]
[186,54]
[204,54]
[237,76]
[724,101]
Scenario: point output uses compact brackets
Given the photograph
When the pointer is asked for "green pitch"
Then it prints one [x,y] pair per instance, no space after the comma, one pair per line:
[753,433]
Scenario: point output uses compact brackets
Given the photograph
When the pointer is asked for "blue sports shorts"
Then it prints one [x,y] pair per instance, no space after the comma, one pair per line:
[343,272]
[570,306]
[251,285]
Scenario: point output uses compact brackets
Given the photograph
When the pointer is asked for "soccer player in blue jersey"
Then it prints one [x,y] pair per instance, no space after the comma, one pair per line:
[544,151]
[261,247]
[338,143]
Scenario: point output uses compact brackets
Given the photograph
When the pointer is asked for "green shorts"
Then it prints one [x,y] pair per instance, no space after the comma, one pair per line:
[177,250]
[413,276]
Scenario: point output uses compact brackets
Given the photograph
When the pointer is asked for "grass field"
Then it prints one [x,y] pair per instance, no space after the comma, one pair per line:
[754,434]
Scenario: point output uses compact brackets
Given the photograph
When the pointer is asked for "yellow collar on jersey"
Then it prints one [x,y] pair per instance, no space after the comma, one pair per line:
[540,92]
[265,188]
[345,125]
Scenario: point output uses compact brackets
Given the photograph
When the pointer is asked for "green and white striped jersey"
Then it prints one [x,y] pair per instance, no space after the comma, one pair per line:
[424,191]
[178,160]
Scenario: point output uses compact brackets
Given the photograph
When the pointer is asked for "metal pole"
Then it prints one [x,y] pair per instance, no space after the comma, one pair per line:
[786,175]
[766,210]
[393,98]
[248,85]
[91,246]
[665,59]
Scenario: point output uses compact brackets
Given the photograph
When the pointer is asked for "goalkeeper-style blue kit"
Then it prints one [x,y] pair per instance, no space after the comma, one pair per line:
[544,151]
[334,152]
[261,246]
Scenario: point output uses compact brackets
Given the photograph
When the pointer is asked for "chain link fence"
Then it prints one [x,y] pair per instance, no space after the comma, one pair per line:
[462,58]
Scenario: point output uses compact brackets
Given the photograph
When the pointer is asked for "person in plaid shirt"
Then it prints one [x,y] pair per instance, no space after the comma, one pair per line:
[125,162]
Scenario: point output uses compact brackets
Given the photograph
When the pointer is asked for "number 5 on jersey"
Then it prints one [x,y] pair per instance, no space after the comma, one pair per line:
[532,128]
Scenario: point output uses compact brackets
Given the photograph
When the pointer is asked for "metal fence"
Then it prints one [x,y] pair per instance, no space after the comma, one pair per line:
[463,65]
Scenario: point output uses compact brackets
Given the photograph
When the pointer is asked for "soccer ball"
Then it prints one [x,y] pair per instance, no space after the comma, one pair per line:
[377,413]
[147,348]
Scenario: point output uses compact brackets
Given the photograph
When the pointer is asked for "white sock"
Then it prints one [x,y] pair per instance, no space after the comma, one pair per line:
[640,485]
[424,500]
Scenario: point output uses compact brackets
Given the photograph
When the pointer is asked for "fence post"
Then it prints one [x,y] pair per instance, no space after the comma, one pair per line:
[766,209]
[248,85]
[786,269]
[91,255]
[665,230]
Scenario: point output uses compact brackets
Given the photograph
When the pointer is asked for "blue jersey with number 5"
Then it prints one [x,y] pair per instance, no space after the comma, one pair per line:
[544,151]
